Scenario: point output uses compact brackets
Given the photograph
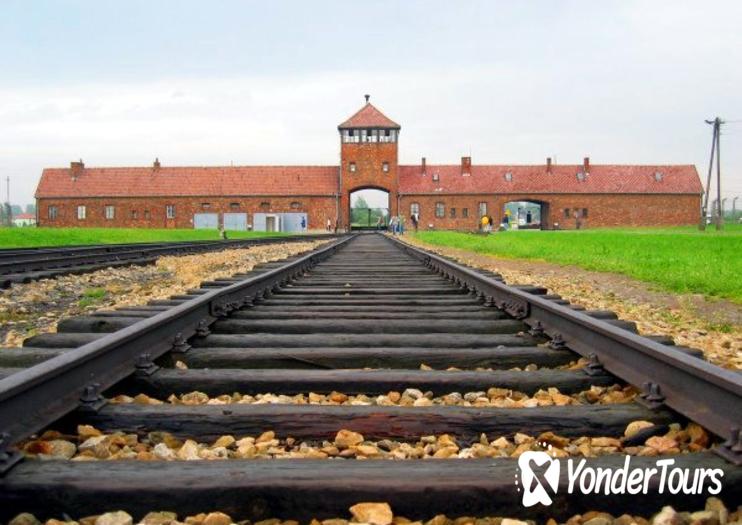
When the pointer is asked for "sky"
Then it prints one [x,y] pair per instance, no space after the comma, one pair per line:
[213,83]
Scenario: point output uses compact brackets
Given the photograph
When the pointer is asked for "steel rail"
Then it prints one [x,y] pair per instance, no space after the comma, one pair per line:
[37,396]
[702,392]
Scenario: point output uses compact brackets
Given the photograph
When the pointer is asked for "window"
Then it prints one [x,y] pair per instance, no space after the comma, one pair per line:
[581,176]
[385,167]
[415,208]
[658,176]
[370,135]
[295,205]
[53,211]
[352,167]
[110,212]
[452,213]
[482,209]
[234,205]
[436,178]
[205,205]
[584,213]
[170,211]
[509,176]
[81,212]
[134,214]
[265,205]
[440,210]
[147,215]
[566,213]
[464,212]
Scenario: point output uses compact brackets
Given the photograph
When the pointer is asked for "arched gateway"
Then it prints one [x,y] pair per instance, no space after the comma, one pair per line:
[368,157]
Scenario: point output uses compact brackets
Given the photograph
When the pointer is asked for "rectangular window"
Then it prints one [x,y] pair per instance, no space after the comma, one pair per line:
[206,205]
[584,213]
[147,214]
[234,205]
[482,209]
[110,212]
[53,211]
[440,210]
[385,167]
[352,167]
[81,213]
[415,209]
[566,213]
[465,212]
[452,213]
[134,214]
[170,211]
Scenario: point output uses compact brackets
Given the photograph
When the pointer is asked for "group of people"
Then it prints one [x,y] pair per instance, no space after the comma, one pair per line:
[396,224]
[486,222]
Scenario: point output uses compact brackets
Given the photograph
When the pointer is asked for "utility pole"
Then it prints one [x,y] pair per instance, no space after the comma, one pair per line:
[715,149]
[722,208]
[9,210]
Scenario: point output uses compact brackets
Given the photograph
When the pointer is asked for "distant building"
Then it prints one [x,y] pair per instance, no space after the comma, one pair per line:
[24,219]
[449,196]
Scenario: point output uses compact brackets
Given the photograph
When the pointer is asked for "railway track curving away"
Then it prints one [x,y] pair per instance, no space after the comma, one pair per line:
[23,265]
[365,370]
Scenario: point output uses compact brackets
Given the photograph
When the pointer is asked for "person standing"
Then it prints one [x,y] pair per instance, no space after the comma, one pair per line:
[414,221]
[329,225]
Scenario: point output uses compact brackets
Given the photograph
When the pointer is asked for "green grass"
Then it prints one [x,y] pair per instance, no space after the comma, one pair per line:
[32,237]
[677,259]
[91,296]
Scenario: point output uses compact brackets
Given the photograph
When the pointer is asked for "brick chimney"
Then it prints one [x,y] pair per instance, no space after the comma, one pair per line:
[156,164]
[423,166]
[586,165]
[466,166]
[548,164]
[76,168]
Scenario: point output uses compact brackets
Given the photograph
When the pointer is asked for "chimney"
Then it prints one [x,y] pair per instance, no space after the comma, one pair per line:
[76,168]
[548,164]
[424,167]
[466,166]
[586,165]
[156,164]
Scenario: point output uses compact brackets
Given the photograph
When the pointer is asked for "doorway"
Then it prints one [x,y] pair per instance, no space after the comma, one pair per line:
[369,209]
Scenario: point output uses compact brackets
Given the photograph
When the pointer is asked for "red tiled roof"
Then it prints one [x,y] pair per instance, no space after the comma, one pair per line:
[562,179]
[369,117]
[200,181]
[24,216]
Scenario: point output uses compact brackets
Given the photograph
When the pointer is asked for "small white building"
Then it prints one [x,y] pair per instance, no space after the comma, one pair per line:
[24,219]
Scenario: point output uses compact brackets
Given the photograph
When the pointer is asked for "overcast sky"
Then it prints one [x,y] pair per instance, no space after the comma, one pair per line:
[210,83]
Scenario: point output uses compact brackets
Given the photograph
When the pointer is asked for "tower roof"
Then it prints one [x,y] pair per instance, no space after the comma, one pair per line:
[369,117]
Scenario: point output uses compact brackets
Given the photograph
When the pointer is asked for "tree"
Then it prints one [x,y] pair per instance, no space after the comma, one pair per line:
[16,208]
[31,208]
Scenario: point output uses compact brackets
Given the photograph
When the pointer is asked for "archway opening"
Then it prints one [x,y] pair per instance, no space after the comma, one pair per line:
[526,215]
[369,209]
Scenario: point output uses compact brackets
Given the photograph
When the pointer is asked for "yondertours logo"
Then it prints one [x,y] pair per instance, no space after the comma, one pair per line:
[539,473]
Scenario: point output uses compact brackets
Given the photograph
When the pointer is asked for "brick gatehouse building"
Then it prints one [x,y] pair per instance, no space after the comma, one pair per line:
[450,196]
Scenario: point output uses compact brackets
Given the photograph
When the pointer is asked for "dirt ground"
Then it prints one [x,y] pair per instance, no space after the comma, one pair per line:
[34,308]
[714,326]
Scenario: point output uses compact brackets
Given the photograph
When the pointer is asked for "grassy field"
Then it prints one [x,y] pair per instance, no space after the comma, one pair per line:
[676,259]
[30,237]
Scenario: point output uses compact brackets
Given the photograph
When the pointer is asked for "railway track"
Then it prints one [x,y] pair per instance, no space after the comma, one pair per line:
[24,265]
[363,351]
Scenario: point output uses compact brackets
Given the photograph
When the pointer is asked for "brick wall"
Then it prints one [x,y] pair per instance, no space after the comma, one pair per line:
[602,210]
[318,208]
[369,158]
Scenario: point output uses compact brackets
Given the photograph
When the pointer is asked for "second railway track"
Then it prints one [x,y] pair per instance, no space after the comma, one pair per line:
[23,265]
[348,322]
